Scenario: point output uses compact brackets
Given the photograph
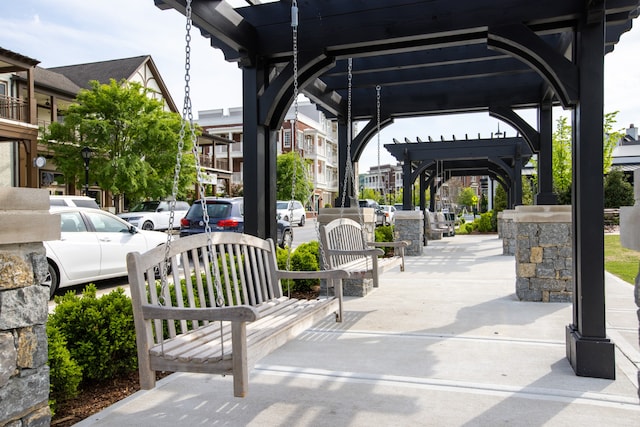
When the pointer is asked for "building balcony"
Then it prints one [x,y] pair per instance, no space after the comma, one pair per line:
[14,109]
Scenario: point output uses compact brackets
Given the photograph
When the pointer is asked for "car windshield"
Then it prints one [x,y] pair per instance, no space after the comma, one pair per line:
[215,210]
[282,205]
[145,207]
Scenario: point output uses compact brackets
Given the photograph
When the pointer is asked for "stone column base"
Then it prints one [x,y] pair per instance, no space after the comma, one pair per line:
[350,287]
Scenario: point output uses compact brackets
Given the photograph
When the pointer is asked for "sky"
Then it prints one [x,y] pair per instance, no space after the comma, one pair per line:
[66,32]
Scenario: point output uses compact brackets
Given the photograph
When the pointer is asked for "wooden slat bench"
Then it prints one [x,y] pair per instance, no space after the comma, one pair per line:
[434,230]
[180,328]
[345,249]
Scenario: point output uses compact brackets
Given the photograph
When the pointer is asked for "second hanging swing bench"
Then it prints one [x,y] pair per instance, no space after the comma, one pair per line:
[213,302]
[345,241]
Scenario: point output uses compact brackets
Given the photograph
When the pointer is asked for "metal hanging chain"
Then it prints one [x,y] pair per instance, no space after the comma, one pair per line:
[378,88]
[294,125]
[187,121]
[349,173]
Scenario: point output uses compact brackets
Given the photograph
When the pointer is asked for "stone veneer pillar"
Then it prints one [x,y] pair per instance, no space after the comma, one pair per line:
[408,226]
[630,234]
[544,253]
[506,231]
[25,223]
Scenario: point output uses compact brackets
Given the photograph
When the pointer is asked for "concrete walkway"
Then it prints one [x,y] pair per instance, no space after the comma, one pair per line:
[446,343]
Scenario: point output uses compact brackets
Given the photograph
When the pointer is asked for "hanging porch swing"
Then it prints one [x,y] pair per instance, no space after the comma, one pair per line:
[213,302]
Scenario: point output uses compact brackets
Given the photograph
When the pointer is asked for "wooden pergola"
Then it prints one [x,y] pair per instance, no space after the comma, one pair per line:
[436,57]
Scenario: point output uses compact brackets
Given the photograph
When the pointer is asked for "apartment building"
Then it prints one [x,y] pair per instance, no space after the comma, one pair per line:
[314,137]
[32,97]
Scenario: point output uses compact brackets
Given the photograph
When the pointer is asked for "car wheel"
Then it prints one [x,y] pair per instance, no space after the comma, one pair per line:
[302,219]
[287,239]
[148,225]
[52,279]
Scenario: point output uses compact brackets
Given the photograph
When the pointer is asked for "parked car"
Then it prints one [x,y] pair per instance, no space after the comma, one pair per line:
[226,214]
[389,214]
[76,201]
[93,245]
[285,209]
[155,214]
[380,218]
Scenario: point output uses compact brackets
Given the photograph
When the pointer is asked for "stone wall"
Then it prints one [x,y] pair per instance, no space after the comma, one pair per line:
[507,232]
[544,253]
[408,226]
[24,375]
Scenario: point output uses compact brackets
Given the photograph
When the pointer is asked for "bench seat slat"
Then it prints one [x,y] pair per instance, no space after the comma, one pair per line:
[204,344]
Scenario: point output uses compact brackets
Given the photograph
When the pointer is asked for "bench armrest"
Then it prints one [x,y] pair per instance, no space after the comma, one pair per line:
[243,313]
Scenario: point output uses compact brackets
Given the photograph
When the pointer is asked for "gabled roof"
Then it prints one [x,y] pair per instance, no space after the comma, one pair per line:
[103,71]
[117,69]
[52,80]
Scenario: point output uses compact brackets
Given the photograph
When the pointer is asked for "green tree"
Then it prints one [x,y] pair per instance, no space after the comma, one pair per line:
[562,161]
[500,199]
[132,138]
[611,138]
[286,165]
[562,147]
[466,197]
[617,190]
[529,185]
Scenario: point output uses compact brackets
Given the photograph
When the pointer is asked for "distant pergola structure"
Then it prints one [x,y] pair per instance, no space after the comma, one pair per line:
[502,159]
[435,57]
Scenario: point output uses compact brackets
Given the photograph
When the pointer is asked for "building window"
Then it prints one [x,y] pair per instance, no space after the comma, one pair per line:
[299,139]
[287,139]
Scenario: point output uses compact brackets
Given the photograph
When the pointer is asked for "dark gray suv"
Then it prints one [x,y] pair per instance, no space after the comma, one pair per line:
[226,214]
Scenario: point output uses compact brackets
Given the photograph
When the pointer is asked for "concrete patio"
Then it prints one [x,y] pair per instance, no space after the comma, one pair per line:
[446,343]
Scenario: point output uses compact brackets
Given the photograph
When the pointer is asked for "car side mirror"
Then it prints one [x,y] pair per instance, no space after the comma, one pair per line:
[133,229]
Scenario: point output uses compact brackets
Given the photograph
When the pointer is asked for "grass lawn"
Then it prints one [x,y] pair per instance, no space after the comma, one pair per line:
[619,261]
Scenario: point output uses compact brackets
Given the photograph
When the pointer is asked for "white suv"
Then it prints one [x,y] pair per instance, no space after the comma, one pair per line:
[74,201]
[284,208]
[154,215]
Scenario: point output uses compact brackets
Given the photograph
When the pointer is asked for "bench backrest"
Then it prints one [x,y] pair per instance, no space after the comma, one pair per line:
[342,234]
[243,267]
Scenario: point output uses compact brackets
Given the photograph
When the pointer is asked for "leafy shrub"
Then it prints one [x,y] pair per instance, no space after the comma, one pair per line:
[65,375]
[306,257]
[617,190]
[385,234]
[484,222]
[494,220]
[99,332]
[468,228]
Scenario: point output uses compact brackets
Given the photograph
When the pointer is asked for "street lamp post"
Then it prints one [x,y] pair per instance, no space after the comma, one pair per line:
[86,156]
